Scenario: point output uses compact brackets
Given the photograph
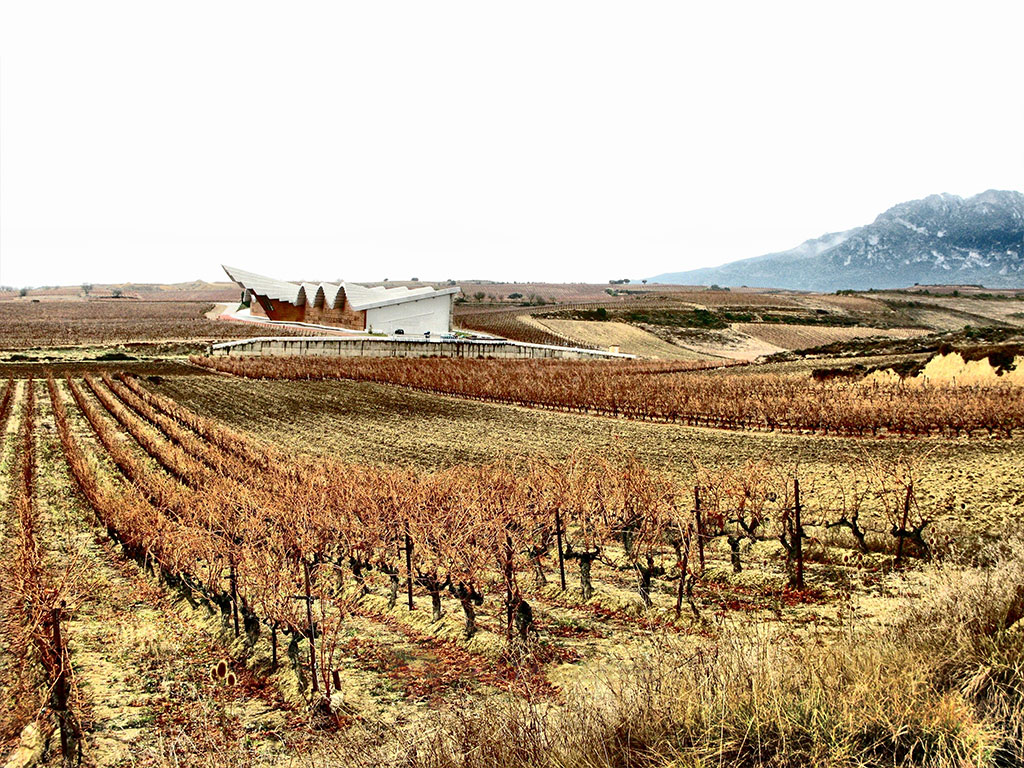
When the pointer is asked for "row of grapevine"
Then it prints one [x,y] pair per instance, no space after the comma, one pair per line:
[253,454]
[250,561]
[330,532]
[34,594]
[185,439]
[598,502]
[191,539]
[6,405]
[881,486]
[510,325]
[762,401]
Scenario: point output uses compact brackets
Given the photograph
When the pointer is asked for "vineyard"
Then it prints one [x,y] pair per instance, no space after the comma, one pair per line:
[512,324]
[512,577]
[36,670]
[28,325]
[675,393]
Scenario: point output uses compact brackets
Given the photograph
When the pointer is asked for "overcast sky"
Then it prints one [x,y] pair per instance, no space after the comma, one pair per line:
[549,141]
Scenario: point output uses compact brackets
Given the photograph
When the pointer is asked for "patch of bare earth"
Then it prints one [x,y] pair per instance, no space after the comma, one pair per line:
[628,338]
[728,343]
[785,336]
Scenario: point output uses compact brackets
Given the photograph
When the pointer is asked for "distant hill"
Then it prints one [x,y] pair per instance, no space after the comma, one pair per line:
[194,290]
[940,239]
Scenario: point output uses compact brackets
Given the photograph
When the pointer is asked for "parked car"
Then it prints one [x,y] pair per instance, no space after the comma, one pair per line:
[399,332]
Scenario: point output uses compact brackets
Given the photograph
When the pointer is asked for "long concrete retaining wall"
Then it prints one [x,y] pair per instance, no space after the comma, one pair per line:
[392,347]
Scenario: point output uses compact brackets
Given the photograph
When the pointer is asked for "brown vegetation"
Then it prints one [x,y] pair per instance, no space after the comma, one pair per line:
[366,518]
[496,532]
[763,401]
[29,325]
[512,324]
[235,524]
[33,598]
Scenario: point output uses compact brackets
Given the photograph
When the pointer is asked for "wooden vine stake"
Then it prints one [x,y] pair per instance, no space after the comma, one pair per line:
[903,523]
[798,536]
[233,579]
[408,566]
[684,566]
[700,526]
[60,688]
[507,572]
[561,553]
[309,620]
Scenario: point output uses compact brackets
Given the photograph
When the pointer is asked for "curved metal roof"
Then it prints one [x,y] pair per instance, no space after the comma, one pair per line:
[310,292]
[267,286]
[331,294]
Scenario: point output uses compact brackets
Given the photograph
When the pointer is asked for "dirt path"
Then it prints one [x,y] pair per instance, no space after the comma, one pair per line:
[9,664]
[8,456]
[216,312]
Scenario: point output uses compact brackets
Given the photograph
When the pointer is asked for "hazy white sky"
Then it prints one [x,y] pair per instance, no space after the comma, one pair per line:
[557,141]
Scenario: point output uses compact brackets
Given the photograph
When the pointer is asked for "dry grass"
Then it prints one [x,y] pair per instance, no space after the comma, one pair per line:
[941,686]
[728,343]
[630,339]
[981,311]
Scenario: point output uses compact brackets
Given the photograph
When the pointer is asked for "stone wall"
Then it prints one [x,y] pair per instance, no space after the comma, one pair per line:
[334,347]
[278,310]
[343,316]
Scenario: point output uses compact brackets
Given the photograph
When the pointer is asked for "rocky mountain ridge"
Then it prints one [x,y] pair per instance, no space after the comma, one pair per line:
[940,239]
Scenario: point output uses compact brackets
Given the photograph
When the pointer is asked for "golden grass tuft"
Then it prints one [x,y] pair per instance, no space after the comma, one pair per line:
[942,686]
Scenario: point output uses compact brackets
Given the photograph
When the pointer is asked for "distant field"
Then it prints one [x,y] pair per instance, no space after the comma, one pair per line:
[28,325]
[727,343]
[860,304]
[630,339]
[565,292]
[735,299]
[192,291]
[739,324]
[386,425]
[994,310]
[806,336]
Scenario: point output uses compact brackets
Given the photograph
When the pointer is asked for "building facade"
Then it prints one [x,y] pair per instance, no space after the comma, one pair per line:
[356,307]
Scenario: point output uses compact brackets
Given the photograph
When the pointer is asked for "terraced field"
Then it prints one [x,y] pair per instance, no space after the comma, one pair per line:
[154,502]
[795,337]
[739,324]
[628,338]
[968,481]
[145,640]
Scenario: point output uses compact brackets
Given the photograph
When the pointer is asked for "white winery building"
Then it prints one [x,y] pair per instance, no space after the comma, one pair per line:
[376,309]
